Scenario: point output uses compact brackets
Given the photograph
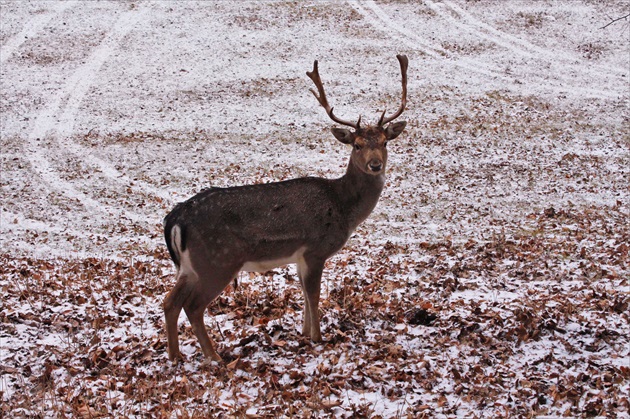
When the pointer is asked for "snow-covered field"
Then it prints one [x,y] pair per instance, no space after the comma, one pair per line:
[492,279]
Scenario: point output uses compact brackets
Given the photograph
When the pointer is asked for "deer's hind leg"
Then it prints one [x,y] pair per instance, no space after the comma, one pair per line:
[197,285]
[194,308]
[173,304]
[210,280]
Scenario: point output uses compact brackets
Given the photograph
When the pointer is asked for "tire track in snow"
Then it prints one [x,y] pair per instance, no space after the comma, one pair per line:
[562,68]
[66,133]
[32,28]
[515,44]
[109,170]
[416,42]
[66,127]
[470,28]
[48,121]
[412,40]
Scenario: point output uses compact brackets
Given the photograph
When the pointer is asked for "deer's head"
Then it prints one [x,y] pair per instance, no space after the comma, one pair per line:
[369,143]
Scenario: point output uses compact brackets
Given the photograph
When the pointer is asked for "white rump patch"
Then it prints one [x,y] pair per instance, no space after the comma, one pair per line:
[185,264]
[176,240]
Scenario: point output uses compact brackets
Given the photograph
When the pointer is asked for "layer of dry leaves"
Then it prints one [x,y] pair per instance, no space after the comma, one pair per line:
[531,322]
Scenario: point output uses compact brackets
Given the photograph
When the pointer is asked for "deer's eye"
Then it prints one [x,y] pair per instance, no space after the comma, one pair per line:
[357,147]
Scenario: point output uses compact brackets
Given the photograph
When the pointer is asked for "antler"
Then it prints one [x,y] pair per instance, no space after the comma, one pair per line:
[314,75]
[404,63]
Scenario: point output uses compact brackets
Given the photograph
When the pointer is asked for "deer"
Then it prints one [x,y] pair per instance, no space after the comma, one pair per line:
[220,232]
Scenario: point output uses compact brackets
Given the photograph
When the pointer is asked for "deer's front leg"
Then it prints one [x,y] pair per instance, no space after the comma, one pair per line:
[310,273]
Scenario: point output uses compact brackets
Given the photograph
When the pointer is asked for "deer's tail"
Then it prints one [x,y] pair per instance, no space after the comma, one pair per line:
[175,236]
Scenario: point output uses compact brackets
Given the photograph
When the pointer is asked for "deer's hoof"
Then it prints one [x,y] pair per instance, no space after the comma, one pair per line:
[176,357]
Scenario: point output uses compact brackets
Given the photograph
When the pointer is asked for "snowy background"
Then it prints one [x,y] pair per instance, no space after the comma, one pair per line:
[491,280]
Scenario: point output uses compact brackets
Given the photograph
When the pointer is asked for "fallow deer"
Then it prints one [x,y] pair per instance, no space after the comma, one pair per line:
[222,231]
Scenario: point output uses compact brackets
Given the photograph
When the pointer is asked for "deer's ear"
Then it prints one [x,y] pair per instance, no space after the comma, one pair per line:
[344,135]
[394,130]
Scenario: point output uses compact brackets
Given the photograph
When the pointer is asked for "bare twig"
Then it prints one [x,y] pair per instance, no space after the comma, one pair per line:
[615,20]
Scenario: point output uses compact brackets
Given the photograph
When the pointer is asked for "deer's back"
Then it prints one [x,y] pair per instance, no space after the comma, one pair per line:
[269,220]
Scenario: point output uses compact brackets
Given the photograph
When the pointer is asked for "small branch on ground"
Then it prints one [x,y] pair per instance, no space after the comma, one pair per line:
[615,20]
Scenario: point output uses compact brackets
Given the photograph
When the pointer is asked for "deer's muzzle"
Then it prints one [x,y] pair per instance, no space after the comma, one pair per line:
[375,165]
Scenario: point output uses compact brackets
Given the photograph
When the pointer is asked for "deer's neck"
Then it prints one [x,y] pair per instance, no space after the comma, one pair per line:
[359,192]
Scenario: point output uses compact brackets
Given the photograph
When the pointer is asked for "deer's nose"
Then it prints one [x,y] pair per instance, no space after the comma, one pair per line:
[375,165]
